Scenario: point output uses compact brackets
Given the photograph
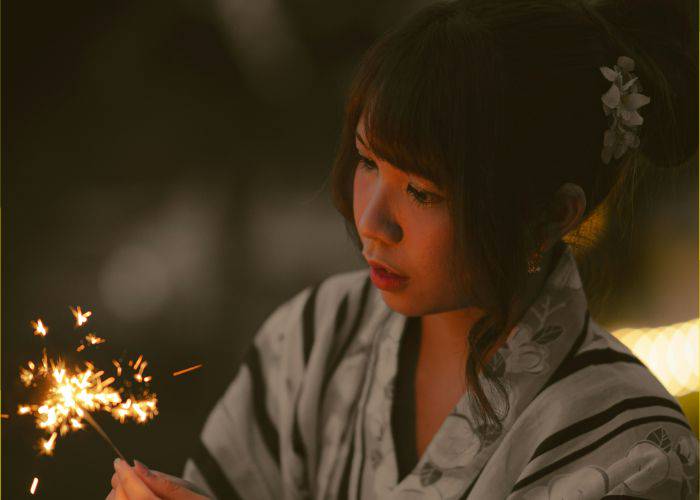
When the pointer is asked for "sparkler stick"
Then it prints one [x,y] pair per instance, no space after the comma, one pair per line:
[102,433]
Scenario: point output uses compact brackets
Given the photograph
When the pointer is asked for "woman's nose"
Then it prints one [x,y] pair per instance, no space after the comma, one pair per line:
[377,221]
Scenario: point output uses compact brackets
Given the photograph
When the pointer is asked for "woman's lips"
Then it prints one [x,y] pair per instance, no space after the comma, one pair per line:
[386,280]
[388,269]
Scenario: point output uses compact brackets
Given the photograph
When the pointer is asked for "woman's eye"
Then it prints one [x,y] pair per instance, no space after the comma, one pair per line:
[366,163]
[423,198]
[418,196]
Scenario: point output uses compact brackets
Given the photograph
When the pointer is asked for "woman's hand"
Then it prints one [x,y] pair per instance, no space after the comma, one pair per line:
[140,483]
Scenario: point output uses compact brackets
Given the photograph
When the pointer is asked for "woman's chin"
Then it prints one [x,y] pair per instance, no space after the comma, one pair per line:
[401,303]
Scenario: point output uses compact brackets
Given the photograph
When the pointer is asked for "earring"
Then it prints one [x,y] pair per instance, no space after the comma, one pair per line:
[533,265]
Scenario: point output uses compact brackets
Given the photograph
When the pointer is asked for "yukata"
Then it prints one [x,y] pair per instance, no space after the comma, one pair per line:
[323,408]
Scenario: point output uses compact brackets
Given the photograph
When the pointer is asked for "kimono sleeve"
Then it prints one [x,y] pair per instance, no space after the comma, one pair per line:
[238,454]
[653,461]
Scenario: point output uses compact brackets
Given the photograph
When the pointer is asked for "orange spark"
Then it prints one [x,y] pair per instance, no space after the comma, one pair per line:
[39,328]
[48,445]
[4,415]
[94,339]
[80,316]
[175,374]
[80,348]
[32,488]
[138,362]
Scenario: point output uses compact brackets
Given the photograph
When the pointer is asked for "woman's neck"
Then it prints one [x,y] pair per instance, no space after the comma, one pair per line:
[444,333]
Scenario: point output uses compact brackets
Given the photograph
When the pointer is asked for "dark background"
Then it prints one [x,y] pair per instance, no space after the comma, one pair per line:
[164,166]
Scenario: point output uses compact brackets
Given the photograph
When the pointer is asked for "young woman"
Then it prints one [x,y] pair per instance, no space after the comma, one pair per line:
[482,138]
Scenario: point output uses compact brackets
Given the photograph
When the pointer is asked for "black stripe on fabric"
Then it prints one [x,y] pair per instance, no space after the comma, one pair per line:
[331,368]
[403,408]
[344,491]
[471,486]
[297,441]
[595,421]
[591,358]
[340,316]
[259,396]
[593,446]
[622,497]
[308,328]
[308,323]
[212,473]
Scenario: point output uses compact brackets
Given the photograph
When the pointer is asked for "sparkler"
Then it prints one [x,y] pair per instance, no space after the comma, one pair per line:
[70,395]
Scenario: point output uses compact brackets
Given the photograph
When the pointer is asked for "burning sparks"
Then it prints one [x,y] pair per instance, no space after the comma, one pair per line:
[72,393]
[93,339]
[66,396]
[39,328]
[4,415]
[32,488]
[89,340]
[47,445]
[80,316]
[175,374]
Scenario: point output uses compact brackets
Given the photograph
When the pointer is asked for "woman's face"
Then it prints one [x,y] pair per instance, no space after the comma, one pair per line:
[403,221]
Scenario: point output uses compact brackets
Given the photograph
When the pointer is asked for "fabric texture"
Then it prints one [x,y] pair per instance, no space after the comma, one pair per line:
[312,412]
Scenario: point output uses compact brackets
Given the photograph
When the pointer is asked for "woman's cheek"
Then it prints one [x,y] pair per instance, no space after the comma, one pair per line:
[360,192]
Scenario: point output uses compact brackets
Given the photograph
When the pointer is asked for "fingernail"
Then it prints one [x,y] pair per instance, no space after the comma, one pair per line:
[116,462]
[144,469]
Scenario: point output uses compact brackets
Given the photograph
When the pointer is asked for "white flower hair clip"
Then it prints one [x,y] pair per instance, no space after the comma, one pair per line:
[622,100]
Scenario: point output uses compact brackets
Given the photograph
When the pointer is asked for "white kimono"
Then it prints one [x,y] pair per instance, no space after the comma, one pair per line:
[322,408]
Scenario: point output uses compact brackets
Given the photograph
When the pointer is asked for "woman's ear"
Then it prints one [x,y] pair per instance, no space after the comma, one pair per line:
[565,213]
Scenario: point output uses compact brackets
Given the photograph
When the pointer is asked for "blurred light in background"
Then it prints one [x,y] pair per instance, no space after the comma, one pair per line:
[169,255]
[670,352]
[269,52]
[295,240]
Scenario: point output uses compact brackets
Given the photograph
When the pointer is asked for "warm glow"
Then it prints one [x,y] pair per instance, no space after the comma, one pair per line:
[175,374]
[80,316]
[39,328]
[93,339]
[32,488]
[72,393]
[67,396]
[670,352]
[47,445]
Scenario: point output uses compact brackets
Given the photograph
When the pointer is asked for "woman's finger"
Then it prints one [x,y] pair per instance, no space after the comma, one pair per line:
[119,494]
[110,495]
[167,486]
[118,491]
[131,484]
[114,481]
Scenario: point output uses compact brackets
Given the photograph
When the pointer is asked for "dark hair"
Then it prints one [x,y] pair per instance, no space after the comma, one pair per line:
[499,103]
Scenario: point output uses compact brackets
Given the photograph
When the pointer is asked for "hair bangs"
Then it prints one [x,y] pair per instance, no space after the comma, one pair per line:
[397,124]
[417,98]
